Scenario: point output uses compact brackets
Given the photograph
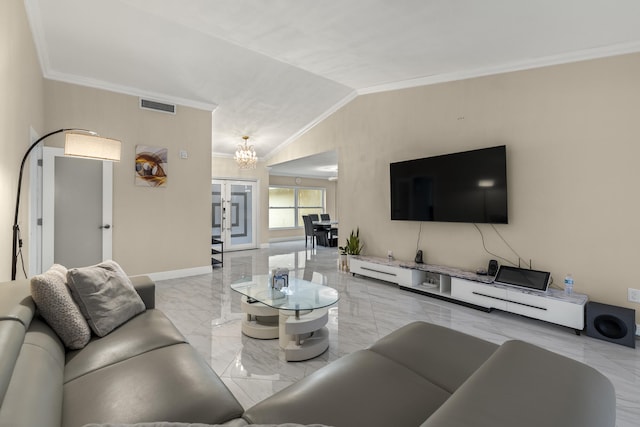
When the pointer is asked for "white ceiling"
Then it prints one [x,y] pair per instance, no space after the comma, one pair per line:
[272,69]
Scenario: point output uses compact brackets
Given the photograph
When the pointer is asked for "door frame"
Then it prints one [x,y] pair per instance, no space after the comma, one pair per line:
[48,203]
[35,207]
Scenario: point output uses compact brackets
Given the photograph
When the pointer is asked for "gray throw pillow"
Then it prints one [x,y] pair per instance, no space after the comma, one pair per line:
[105,295]
[51,295]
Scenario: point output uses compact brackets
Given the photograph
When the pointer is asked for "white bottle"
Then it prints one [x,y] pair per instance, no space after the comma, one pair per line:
[568,284]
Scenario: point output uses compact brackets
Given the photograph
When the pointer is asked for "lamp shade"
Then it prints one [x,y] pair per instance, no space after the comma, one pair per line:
[92,147]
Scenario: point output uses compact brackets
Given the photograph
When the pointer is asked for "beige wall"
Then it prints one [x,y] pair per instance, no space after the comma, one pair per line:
[21,86]
[154,229]
[572,135]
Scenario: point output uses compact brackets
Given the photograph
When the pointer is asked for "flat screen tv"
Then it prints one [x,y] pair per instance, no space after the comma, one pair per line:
[470,186]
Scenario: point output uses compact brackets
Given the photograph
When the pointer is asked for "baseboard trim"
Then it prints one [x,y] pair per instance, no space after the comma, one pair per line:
[286,239]
[176,274]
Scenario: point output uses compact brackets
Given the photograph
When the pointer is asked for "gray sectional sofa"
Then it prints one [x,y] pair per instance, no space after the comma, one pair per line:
[142,371]
[420,375]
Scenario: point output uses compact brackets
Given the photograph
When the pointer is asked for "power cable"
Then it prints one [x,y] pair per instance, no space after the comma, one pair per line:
[487,250]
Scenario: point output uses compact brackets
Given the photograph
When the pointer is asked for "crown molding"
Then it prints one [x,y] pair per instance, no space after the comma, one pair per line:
[221,155]
[335,107]
[547,61]
[306,176]
[127,90]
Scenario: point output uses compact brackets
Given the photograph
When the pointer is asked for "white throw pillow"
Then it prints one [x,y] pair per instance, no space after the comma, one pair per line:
[51,295]
[105,295]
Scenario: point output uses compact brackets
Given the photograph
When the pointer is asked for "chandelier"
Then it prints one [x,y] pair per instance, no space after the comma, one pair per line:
[245,155]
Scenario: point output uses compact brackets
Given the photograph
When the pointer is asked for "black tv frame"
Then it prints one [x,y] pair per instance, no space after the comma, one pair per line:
[467,187]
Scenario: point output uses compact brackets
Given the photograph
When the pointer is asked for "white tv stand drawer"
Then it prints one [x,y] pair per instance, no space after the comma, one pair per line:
[389,271]
[552,306]
[479,294]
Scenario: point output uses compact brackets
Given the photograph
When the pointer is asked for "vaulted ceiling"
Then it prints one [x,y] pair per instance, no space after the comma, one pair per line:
[272,69]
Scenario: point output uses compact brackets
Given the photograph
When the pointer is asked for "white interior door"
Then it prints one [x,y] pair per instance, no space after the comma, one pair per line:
[234,213]
[76,210]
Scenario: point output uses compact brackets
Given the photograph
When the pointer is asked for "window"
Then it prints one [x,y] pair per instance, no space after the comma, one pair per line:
[282,207]
[288,204]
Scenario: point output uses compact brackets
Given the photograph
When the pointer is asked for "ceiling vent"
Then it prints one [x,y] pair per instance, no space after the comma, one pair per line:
[157,106]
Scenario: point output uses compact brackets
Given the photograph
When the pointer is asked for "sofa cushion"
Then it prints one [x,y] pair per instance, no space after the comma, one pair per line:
[372,389]
[11,338]
[147,331]
[171,383]
[146,288]
[16,301]
[51,295]
[443,356]
[105,296]
[527,386]
[34,395]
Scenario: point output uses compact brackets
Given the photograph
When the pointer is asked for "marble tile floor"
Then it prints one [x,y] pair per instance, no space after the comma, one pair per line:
[208,313]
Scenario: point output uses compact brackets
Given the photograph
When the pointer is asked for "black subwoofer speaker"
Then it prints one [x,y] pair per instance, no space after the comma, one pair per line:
[611,323]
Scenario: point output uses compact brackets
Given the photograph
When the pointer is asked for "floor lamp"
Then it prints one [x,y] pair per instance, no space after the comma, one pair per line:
[78,143]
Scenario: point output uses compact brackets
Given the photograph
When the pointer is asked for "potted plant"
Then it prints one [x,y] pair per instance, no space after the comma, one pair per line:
[352,247]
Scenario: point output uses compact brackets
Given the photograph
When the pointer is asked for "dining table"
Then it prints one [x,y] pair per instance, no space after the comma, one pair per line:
[327,239]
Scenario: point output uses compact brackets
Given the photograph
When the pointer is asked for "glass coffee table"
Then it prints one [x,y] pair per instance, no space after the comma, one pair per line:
[296,314]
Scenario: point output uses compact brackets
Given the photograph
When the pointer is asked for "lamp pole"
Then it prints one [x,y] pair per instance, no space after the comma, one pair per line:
[17,241]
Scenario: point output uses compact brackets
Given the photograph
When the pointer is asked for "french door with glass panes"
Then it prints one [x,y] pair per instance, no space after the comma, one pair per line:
[234,213]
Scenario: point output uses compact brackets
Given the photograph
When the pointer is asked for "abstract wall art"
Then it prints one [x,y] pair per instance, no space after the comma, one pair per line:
[151,166]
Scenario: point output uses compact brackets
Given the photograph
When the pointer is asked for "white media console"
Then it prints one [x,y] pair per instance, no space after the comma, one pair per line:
[475,291]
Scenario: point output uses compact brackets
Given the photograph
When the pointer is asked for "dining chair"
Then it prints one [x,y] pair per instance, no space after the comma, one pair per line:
[310,231]
[333,231]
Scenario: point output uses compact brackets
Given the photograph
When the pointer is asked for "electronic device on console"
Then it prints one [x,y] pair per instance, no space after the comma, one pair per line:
[533,280]
[492,269]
